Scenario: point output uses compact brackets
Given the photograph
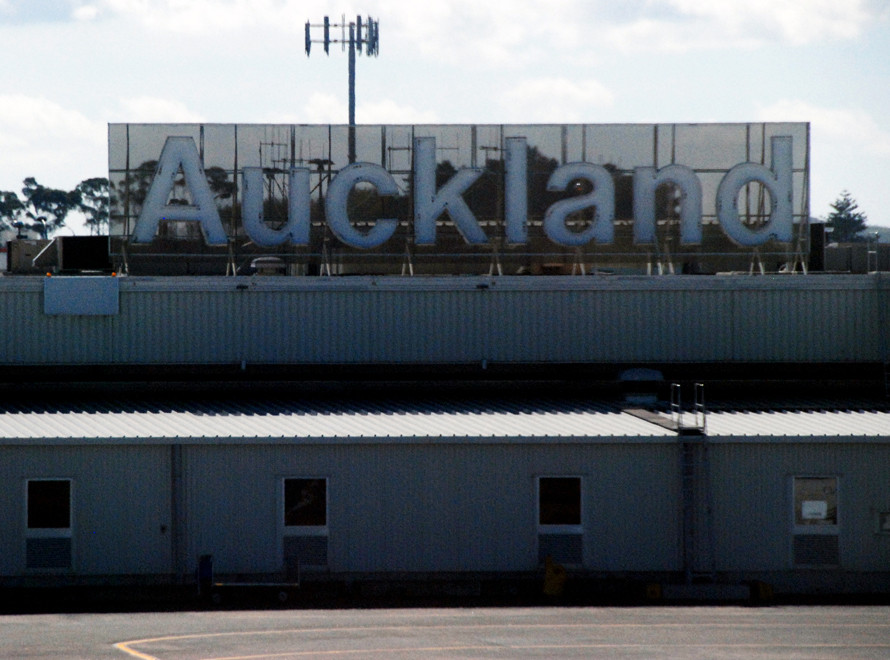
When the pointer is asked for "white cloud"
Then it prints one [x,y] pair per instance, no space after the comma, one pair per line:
[555,100]
[43,12]
[795,21]
[86,12]
[151,109]
[325,109]
[849,151]
[853,128]
[498,32]
[43,139]
[485,34]
[677,36]
[480,33]
[684,25]
[390,112]
[209,16]
[24,116]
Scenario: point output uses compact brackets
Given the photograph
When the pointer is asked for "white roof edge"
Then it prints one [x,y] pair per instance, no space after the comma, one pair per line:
[668,438]
[342,440]
[799,439]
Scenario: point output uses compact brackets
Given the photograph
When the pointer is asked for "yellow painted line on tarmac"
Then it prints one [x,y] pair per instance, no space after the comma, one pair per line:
[125,647]
[518,647]
[542,647]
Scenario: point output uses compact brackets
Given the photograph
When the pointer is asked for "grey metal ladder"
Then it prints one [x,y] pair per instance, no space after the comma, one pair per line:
[699,556]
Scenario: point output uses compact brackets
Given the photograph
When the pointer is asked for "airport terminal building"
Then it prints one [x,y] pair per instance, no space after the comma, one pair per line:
[468,350]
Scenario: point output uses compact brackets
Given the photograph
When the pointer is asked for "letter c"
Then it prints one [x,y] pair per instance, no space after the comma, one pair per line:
[338,194]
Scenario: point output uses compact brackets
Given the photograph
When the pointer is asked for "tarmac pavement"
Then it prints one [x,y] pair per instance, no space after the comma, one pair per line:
[529,632]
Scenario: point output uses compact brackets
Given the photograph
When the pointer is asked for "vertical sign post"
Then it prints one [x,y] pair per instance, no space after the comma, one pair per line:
[361,33]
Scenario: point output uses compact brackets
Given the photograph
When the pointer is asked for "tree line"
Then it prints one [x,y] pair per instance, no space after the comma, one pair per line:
[43,210]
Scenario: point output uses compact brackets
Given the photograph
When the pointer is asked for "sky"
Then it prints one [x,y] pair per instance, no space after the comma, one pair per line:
[71,67]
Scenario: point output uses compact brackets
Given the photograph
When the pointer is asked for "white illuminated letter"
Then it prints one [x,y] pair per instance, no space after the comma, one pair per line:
[516,193]
[602,197]
[646,183]
[179,153]
[430,204]
[297,228]
[338,195]
[777,180]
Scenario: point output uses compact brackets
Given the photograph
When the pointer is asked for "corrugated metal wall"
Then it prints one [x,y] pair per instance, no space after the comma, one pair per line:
[442,507]
[120,501]
[753,501]
[366,320]
[462,507]
[28,336]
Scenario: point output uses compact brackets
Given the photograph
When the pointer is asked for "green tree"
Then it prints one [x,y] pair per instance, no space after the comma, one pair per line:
[845,221]
[93,202]
[47,206]
[133,189]
[11,209]
[218,180]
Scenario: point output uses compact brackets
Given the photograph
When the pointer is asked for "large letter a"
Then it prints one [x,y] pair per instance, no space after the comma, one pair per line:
[179,153]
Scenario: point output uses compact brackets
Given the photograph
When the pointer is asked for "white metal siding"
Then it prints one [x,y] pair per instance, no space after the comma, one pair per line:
[808,325]
[418,507]
[366,320]
[120,503]
[173,327]
[28,336]
[753,509]
[426,508]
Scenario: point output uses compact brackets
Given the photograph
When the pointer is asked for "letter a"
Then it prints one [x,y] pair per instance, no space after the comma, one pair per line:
[179,153]
[602,229]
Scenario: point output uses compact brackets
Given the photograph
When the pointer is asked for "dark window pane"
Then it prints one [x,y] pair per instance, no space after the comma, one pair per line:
[305,502]
[559,501]
[49,504]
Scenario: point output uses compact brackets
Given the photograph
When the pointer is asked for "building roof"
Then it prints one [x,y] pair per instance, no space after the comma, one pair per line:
[482,416]
[829,420]
[316,418]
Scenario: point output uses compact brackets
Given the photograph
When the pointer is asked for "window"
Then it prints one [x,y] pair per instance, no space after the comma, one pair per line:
[49,504]
[815,521]
[305,502]
[815,501]
[48,524]
[305,523]
[559,501]
[560,533]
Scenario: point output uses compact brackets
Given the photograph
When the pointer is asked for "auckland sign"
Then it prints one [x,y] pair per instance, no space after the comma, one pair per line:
[431,202]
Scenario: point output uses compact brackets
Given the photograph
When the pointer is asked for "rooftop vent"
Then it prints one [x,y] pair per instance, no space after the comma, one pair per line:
[641,386]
